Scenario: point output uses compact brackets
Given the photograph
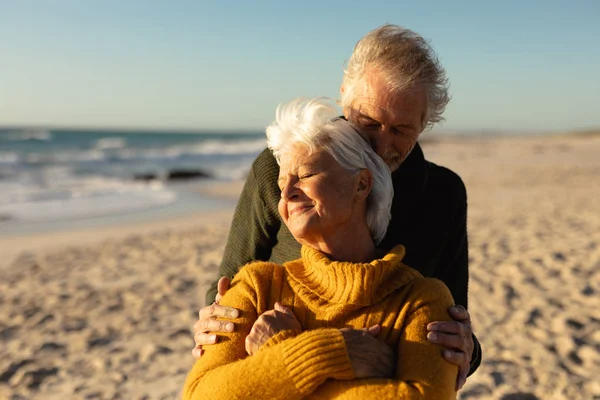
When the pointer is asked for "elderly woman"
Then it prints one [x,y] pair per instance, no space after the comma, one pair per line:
[326,306]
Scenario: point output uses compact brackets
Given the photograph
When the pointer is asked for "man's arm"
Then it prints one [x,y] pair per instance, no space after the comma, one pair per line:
[291,369]
[255,222]
[421,372]
[454,266]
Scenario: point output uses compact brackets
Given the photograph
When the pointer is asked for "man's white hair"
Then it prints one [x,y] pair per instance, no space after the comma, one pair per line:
[405,60]
[315,125]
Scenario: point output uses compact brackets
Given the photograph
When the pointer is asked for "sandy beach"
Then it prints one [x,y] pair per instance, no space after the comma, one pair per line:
[107,313]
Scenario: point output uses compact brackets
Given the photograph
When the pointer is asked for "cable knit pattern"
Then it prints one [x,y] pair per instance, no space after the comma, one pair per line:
[325,296]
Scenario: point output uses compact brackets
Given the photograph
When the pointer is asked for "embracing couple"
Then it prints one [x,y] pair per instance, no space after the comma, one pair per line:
[353,248]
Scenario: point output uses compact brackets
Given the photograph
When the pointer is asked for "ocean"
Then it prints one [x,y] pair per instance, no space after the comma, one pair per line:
[67,175]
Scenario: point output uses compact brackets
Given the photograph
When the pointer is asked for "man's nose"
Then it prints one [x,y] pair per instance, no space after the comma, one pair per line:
[381,140]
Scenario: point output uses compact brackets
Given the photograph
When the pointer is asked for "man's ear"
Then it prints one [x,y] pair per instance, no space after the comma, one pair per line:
[364,185]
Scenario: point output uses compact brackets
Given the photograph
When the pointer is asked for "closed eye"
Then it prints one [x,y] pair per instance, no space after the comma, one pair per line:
[372,126]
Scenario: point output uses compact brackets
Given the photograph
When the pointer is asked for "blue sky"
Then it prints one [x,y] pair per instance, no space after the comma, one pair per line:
[531,65]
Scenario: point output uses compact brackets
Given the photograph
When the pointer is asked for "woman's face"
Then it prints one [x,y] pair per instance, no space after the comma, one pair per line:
[318,196]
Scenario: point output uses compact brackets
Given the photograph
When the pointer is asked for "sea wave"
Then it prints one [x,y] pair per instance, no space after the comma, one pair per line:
[30,198]
[65,157]
[101,204]
[29,135]
[8,157]
[229,147]
[60,183]
[115,149]
[110,143]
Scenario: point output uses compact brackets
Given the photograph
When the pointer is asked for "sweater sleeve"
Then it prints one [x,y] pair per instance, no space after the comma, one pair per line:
[290,369]
[255,224]
[421,371]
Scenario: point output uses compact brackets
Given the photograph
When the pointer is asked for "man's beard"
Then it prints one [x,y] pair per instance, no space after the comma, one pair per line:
[394,159]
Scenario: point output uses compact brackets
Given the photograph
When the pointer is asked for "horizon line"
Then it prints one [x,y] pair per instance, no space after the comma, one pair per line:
[187,130]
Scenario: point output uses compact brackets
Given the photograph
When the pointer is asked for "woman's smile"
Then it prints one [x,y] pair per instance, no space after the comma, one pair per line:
[294,209]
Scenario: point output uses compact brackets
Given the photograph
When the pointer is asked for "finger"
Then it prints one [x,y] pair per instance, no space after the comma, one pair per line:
[216,310]
[223,285]
[454,357]
[247,344]
[197,352]
[459,313]
[453,327]
[250,344]
[197,328]
[461,379]
[203,339]
[374,330]
[213,325]
[450,341]
[285,310]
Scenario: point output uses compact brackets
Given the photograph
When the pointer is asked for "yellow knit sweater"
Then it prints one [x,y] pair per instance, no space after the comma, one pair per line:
[325,296]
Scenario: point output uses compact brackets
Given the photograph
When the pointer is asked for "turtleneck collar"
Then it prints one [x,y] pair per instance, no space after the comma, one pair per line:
[321,281]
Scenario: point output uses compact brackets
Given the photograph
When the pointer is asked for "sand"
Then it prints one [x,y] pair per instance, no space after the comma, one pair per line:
[107,313]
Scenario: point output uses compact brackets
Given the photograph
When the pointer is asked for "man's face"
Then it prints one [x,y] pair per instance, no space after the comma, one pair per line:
[392,121]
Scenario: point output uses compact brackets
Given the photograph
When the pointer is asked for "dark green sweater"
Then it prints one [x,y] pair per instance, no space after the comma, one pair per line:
[429,217]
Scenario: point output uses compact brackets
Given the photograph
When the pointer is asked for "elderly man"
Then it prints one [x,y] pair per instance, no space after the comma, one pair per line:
[393,89]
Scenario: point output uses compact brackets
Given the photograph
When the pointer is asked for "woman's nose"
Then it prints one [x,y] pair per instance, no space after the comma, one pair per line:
[289,190]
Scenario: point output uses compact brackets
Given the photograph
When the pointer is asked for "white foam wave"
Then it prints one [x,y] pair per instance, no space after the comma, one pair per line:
[229,147]
[65,157]
[232,172]
[56,183]
[8,157]
[33,199]
[109,203]
[208,147]
[110,143]
[116,149]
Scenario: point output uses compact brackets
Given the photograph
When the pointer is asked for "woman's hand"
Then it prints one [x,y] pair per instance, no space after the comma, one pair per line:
[207,320]
[268,325]
[371,358]
[457,338]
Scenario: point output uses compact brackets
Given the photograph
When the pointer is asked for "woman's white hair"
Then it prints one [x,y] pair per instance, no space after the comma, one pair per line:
[315,125]
[406,61]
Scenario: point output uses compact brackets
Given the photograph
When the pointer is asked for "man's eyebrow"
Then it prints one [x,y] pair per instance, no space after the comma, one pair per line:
[409,126]
[365,116]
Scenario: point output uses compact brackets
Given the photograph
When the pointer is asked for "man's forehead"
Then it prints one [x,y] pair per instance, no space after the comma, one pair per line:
[400,109]
[379,112]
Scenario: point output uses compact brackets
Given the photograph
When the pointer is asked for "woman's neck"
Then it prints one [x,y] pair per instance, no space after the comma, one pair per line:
[347,245]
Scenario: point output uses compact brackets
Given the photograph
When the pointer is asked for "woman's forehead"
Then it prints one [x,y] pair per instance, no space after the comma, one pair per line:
[292,160]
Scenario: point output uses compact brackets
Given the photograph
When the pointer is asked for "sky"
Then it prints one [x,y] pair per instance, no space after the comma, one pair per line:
[225,65]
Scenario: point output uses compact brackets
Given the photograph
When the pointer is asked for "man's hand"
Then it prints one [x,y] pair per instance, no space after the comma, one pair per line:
[370,357]
[268,325]
[207,320]
[456,337]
